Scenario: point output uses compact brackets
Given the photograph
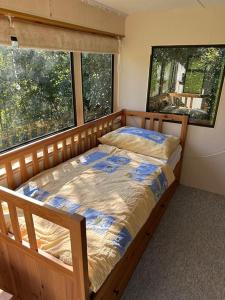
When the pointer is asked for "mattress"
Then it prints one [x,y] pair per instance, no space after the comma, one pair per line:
[115,190]
[173,159]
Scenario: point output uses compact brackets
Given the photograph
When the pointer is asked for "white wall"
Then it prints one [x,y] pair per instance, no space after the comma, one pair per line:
[71,11]
[177,27]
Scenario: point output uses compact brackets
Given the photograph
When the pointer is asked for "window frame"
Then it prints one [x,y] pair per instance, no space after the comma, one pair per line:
[222,85]
[112,83]
[72,74]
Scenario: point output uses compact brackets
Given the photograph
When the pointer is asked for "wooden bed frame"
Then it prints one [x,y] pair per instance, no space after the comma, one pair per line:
[29,273]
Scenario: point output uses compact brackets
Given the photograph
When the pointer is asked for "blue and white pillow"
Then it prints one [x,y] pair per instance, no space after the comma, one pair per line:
[142,141]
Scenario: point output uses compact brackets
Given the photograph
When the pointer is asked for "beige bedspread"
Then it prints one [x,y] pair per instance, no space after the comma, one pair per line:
[114,189]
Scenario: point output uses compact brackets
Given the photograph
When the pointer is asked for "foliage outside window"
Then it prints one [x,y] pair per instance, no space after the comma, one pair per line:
[35,94]
[97,75]
[187,80]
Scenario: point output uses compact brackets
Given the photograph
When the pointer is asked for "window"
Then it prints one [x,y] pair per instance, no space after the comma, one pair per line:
[187,80]
[97,75]
[36,94]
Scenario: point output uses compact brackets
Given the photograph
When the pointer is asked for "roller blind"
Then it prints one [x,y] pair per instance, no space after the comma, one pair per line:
[4,31]
[31,35]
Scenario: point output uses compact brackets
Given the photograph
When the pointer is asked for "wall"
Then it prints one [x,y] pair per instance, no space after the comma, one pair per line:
[204,160]
[71,11]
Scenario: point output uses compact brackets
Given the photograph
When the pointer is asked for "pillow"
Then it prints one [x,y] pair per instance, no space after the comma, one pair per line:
[142,141]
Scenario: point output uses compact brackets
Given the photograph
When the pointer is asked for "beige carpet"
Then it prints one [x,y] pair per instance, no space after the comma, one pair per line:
[186,257]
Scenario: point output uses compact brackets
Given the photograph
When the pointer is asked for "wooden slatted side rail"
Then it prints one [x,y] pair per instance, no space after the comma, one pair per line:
[74,223]
[32,158]
[156,121]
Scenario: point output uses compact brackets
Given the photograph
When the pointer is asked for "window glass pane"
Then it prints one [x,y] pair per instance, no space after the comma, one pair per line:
[167,77]
[194,76]
[35,94]
[193,82]
[155,80]
[97,74]
[187,80]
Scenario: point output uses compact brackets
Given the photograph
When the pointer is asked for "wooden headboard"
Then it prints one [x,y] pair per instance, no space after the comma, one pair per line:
[155,121]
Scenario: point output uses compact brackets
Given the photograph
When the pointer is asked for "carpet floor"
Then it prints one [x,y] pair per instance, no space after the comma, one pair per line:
[185,259]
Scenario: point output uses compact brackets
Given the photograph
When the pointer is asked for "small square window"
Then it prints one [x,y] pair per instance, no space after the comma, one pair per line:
[187,80]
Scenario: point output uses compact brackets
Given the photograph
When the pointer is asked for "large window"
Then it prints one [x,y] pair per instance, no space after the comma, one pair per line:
[37,92]
[187,80]
[97,75]
[36,96]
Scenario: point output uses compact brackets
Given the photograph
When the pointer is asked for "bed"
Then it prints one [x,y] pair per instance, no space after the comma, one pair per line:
[94,232]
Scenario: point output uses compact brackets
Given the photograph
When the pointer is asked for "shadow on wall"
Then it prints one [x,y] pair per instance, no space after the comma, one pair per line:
[206,169]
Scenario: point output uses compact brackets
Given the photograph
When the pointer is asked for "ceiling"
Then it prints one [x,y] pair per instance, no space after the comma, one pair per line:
[132,6]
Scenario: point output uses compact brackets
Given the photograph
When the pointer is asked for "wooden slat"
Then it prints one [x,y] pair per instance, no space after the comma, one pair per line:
[35,163]
[91,141]
[94,137]
[79,145]
[88,140]
[99,133]
[15,222]
[79,257]
[30,230]
[151,124]
[183,132]
[3,226]
[55,154]
[123,118]
[143,121]
[103,129]
[85,140]
[73,149]
[107,127]
[46,157]
[111,126]
[64,150]
[10,177]
[23,169]
[160,125]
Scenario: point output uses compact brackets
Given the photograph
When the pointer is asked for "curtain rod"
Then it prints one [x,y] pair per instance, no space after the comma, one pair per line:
[52,22]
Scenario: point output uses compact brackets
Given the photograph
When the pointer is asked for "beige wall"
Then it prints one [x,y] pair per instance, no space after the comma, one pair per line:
[71,11]
[190,26]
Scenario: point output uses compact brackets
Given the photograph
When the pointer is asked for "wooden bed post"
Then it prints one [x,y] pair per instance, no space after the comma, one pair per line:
[79,257]
[32,273]
[123,118]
